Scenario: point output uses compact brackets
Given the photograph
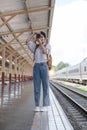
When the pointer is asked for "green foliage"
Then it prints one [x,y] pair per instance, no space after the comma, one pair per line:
[60,66]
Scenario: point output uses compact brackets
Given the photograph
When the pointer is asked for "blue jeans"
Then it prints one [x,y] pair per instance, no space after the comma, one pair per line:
[40,74]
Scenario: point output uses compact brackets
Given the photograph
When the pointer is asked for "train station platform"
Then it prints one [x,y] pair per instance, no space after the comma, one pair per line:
[16,106]
[17,110]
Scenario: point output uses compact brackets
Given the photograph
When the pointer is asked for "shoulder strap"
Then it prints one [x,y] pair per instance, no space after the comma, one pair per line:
[35,51]
[36,48]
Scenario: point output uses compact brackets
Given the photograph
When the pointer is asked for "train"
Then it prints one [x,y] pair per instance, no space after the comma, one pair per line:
[76,73]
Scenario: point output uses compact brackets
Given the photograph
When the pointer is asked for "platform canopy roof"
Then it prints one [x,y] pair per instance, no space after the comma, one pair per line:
[18,20]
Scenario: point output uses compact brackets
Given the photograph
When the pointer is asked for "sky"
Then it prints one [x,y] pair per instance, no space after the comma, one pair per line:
[69,31]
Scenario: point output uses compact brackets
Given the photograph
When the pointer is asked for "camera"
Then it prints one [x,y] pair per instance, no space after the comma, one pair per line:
[38,35]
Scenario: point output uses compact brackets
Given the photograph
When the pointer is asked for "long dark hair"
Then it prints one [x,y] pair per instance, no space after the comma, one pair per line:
[43,33]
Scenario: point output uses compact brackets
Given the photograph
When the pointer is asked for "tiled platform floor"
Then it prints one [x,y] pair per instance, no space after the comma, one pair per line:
[16,106]
[54,119]
[17,110]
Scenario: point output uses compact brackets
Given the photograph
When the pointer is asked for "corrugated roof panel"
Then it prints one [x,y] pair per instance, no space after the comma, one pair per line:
[15,46]
[1,42]
[11,5]
[39,17]
[21,52]
[37,3]
[4,29]
[8,38]
[19,22]
[23,37]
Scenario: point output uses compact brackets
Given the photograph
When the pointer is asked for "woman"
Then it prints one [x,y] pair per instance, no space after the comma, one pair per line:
[40,70]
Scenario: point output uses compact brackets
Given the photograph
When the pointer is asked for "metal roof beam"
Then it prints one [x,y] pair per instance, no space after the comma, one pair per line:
[6,21]
[25,30]
[9,43]
[26,11]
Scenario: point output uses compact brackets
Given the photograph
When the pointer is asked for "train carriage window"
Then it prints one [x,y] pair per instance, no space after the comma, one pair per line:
[74,70]
[63,72]
[84,68]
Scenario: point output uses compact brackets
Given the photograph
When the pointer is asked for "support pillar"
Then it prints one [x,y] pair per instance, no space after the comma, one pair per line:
[3,67]
[10,71]
[3,79]
[15,77]
[19,78]
[10,78]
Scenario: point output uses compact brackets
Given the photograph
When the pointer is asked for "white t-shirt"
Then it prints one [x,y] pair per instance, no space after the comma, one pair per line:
[39,56]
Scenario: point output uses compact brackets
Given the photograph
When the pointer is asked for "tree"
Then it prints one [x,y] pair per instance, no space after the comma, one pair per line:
[61,65]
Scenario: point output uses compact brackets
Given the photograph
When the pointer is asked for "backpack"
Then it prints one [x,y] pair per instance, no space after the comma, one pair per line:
[49,61]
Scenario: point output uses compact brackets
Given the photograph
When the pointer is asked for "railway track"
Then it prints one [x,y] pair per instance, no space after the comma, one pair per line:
[73,103]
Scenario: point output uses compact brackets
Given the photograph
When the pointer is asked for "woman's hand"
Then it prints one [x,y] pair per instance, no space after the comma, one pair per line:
[39,40]
[31,38]
[42,46]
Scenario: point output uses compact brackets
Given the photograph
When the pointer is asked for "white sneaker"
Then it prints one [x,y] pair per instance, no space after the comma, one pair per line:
[44,109]
[37,109]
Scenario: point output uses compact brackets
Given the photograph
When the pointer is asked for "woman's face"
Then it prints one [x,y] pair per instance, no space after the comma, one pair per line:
[42,38]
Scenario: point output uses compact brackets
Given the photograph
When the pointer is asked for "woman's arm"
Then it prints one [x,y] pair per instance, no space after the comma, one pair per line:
[30,38]
[30,43]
